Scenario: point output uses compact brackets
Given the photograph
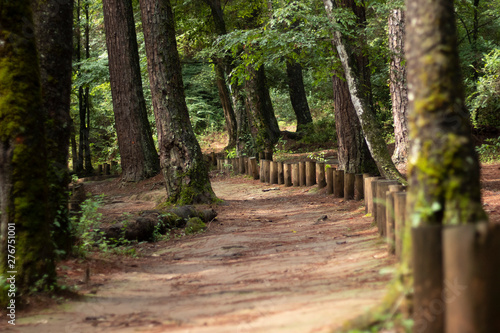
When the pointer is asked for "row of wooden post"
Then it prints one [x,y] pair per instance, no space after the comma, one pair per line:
[310,173]
[456,269]
[105,169]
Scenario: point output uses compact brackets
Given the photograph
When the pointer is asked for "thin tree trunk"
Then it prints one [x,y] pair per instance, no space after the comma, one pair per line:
[26,248]
[139,159]
[86,100]
[227,106]
[398,86]
[362,104]
[81,111]
[297,93]
[181,160]
[53,21]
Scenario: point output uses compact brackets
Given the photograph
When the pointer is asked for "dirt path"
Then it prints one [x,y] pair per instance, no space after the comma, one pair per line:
[271,262]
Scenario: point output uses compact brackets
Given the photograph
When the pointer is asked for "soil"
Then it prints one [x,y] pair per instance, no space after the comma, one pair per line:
[275,259]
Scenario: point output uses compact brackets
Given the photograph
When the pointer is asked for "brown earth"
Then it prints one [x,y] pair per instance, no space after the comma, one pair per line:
[270,262]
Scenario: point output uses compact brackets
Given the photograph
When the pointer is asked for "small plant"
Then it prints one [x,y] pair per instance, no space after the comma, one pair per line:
[490,151]
[231,153]
[318,157]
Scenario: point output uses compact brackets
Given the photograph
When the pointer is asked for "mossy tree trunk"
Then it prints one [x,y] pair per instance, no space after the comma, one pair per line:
[139,159]
[181,159]
[53,21]
[361,101]
[443,167]
[23,159]
[398,85]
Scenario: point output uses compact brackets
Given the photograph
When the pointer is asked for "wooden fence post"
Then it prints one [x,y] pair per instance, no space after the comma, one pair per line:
[349,186]
[295,174]
[329,179]
[302,173]
[338,187]
[358,187]
[310,173]
[288,175]
[382,186]
[399,220]
[369,184]
[429,308]
[472,278]
[389,216]
[281,173]
[273,172]
[320,174]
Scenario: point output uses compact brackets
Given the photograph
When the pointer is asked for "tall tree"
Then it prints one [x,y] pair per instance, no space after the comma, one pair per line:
[53,21]
[297,93]
[139,158]
[353,153]
[443,165]
[181,160]
[398,86]
[361,101]
[23,159]
[222,68]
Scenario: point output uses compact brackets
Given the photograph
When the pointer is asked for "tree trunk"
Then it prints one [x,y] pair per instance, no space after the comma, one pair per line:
[139,159]
[297,93]
[353,153]
[86,100]
[443,169]
[261,119]
[81,111]
[181,160]
[398,86]
[26,249]
[227,106]
[53,33]
[235,114]
[362,104]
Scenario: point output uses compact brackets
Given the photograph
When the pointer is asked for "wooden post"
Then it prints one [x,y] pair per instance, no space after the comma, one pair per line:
[338,187]
[320,174]
[281,173]
[399,220]
[241,166]
[369,194]
[267,171]
[99,169]
[214,159]
[382,187]
[329,179]
[262,175]
[107,168]
[288,174]
[389,216]
[273,172]
[252,162]
[349,186]
[302,173]
[427,270]
[359,187]
[310,173]
[295,174]
[472,278]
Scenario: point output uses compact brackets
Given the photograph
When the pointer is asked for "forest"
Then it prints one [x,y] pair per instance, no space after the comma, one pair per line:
[169,93]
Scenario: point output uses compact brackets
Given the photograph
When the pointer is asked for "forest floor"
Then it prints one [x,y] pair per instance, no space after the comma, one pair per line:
[276,259]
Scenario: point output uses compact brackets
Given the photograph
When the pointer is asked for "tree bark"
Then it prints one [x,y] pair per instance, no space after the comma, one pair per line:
[25,229]
[297,93]
[398,85]
[139,159]
[443,169]
[181,159]
[362,104]
[227,106]
[86,100]
[53,21]
[261,119]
